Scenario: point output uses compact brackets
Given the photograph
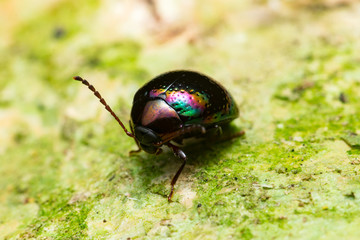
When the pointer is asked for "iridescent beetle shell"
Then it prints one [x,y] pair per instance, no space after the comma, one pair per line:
[177,99]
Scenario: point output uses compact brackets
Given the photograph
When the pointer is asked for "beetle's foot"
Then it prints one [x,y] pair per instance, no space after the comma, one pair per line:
[158,151]
[233,136]
[238,134]
[171,194]
[133,152]
[224,137]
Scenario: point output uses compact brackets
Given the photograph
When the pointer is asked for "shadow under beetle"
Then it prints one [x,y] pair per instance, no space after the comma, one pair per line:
[174,106]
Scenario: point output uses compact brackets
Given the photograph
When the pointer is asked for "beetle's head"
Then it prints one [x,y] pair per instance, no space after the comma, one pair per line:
[156,119]
[149,141]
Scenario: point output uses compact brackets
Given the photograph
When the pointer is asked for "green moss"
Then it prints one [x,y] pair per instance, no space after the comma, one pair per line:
[69,218]
[117,59]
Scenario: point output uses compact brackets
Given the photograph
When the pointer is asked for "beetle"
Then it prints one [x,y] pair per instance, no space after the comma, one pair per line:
[173,106]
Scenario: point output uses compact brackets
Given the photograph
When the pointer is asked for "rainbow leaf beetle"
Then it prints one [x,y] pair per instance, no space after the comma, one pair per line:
[173,106]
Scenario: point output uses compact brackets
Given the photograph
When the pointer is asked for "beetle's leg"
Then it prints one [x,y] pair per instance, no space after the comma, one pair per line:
[158,151]
[191,129]
[230,137]
[239,134]
[235,135]
[133,152]
[216,134]
[180,154]
[178,140]
[218,129]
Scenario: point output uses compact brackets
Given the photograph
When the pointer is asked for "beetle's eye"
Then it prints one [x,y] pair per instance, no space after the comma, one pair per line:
[146,136]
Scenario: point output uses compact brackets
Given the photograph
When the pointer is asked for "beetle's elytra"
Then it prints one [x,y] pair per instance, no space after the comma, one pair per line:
[173,106]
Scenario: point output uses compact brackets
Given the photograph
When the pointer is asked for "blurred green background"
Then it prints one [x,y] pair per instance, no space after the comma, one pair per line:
[292,67]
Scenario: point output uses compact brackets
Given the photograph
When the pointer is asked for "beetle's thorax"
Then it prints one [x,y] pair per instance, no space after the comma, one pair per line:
[155,110]
[160,117]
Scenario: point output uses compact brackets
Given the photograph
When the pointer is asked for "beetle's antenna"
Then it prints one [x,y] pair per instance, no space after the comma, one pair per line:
[102,100]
